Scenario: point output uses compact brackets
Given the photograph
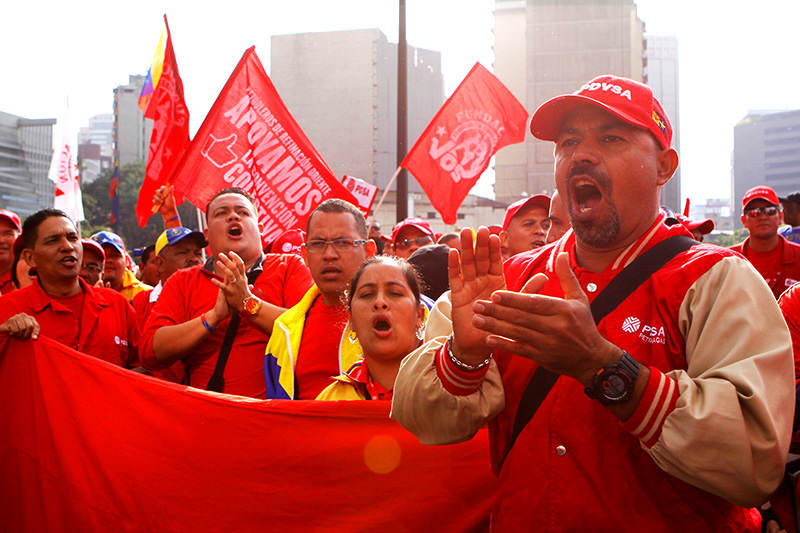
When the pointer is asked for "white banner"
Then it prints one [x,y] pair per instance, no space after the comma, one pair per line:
[363,191]
[64,173]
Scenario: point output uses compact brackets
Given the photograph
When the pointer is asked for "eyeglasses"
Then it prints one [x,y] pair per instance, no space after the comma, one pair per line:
[340,245]
[419,241]
[93,267]
[770,211]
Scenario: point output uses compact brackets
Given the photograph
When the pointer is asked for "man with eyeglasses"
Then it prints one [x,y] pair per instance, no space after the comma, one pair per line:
[411,234]
[311,342]
[775,258]
[93,259]
[239,289]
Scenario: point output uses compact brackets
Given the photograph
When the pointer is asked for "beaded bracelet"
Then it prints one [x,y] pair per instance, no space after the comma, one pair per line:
[462,365]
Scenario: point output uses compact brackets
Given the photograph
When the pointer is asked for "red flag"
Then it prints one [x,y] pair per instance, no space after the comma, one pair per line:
[170,138]
[478,119]
[88,446]
[250,140]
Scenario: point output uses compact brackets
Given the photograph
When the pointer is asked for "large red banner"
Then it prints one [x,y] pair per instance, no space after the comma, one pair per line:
[170,137]
[479,118]
[250,140]
[88,446]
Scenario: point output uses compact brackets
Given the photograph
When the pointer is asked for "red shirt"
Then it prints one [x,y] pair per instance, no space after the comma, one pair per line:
[318,355]
[789,303]
[189,293]
[143,305]
[780,267]
[102,325]
[6,285]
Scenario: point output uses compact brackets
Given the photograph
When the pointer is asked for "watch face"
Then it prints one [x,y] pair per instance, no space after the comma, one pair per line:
[614,386]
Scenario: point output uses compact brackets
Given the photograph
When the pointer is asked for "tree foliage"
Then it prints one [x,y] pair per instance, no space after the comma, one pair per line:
[97,208]
[727,239]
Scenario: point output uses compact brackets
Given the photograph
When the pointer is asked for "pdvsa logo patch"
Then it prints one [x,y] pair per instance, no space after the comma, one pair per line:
[631,324]
[651,334]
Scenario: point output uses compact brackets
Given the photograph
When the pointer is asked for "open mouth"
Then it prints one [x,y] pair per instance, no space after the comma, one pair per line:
[381,326]
[69,261]
[235,231]
[585,195]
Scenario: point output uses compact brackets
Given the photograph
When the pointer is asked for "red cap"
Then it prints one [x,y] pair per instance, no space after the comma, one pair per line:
[541,200]
[628,100]
[762,192]
[414,222]
[494,229]
[17,244]
[94,245]
[289,242]
[12,217]
[705,226]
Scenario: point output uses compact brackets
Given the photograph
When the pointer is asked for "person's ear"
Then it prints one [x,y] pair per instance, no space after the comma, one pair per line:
[667,165]
[370,248]
[27,256]
[304,253]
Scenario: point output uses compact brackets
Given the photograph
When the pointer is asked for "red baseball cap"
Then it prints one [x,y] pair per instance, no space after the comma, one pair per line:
[762,192]
[90,243]
[541,200]
[630,101]
[289,242]
[705,226]
[12,217]
[414,222]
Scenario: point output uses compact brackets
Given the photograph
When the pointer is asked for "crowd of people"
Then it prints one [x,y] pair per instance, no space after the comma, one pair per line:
[625,369]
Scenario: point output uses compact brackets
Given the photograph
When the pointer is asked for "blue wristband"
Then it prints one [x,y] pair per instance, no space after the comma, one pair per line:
[206,325]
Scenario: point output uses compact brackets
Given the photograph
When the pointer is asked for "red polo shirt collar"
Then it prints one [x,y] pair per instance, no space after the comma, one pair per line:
[40,299]
[359,377]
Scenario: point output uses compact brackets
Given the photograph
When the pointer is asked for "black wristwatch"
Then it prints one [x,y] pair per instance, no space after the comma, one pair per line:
[614,383]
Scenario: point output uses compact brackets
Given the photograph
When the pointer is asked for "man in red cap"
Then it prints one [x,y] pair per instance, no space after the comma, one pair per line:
[93,320]
[411,234]
[93,259]
[525,225]
[775,258]
[660,407]
[10,228]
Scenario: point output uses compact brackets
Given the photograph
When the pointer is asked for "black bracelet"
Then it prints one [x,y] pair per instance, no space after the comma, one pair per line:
[461,365]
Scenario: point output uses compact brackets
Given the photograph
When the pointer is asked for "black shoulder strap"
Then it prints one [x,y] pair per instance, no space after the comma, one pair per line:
[217,381]
[614,294]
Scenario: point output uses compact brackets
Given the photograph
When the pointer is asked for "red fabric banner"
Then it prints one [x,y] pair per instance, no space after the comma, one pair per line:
[250,140]
[479,118]
[170,137]
[89,446]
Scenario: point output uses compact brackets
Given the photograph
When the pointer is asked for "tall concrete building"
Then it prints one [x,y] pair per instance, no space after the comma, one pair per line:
[661,72]
[131,131]
[545,48]
[766,151]
[26,147]
[341,87]
[100,132]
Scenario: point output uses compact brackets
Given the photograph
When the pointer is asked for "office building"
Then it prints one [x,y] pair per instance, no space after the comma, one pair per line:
[766,151]
[26,147]
[661,72]
[341,87]
[131,131]
[545,48]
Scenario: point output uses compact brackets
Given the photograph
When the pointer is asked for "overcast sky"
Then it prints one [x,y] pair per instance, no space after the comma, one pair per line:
[734,56]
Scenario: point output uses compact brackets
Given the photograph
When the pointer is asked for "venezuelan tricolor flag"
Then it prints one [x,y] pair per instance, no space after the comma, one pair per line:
[154,72]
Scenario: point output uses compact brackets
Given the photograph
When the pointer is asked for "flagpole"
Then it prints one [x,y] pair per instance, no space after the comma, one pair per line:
[401,209]
[200,228]
[386,190]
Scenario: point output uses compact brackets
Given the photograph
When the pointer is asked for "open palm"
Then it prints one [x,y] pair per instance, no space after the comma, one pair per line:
[474,274]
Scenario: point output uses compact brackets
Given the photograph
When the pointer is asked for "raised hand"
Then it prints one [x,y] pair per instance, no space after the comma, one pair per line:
[474,274]
[22,326]
[559,334]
